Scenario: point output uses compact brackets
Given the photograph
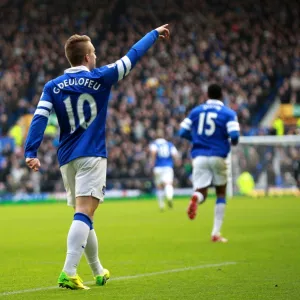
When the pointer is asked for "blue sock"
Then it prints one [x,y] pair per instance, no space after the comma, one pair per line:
[84,218]
[221,200]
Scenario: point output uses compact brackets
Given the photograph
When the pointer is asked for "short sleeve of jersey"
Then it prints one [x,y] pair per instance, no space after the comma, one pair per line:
[232,122]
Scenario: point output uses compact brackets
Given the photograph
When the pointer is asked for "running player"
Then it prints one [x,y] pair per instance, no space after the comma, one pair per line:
[163,156]
[211,127]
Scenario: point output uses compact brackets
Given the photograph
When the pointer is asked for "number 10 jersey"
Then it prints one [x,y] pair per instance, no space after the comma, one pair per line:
[80,98]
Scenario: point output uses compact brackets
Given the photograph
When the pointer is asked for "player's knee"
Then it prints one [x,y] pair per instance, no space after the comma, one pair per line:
[85,210]
[86,205]
[159,186]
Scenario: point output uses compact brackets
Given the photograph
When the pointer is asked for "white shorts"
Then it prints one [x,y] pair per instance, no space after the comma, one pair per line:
[163,175]
[84,176]
[209,170]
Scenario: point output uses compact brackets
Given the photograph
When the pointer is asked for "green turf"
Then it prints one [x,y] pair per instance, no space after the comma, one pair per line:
[137,239]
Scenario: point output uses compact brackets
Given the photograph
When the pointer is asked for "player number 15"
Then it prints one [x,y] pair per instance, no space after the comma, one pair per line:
[207,119]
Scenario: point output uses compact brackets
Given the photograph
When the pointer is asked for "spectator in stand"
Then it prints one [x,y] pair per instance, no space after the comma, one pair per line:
[249,49]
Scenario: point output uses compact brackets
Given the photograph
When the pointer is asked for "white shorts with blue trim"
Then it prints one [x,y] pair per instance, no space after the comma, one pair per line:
[209,170]
[84,176]
[163,175]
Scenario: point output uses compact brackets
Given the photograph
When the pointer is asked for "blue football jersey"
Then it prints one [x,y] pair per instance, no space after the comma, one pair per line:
[165,151]
[80,98]
[211,124]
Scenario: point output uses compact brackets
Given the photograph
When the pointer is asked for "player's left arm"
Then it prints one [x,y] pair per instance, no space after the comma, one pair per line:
[153,154]
[233,128]
[37,129]
[175,155]
[185,128]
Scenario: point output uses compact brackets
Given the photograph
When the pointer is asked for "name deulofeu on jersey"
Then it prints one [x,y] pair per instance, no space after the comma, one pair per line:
[77,81]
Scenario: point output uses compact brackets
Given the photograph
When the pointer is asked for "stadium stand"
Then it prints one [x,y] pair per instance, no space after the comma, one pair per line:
[252,50]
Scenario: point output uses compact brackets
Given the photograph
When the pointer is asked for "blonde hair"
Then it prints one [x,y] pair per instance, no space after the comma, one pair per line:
[76,48]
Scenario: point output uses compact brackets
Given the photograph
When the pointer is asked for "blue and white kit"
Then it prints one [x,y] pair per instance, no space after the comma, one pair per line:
[210,127]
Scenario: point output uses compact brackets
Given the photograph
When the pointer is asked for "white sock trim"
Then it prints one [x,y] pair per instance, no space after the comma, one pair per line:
[199,196]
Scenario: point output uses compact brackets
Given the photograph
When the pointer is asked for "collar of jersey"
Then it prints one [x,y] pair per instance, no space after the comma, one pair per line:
[160,140]
[77,69]
[214,101]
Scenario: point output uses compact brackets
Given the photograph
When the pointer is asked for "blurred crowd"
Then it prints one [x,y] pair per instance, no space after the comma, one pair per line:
[268,165]
[289,92]
[251,48]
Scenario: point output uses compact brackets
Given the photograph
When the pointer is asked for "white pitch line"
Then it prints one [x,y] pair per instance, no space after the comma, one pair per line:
[126,277]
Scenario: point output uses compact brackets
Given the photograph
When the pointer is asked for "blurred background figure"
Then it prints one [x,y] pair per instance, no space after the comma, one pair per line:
[163,154]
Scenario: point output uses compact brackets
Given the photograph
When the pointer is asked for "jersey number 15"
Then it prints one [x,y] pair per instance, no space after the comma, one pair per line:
[207,119]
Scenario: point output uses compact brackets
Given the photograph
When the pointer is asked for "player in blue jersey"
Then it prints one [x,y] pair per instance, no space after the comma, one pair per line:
[163,154]
[79,98]
[211,127]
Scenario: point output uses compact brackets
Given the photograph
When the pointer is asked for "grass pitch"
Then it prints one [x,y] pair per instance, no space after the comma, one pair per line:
[154,255]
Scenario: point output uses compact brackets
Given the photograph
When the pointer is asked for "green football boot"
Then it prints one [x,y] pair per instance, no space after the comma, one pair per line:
[102,279]
[71,282]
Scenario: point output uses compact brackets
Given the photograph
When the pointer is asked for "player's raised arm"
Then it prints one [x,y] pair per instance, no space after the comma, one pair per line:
[121,68]
[233,129]
[37,129]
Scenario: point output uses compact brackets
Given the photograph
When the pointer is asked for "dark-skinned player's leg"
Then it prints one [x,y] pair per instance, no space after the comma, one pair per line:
[202,177]
[219,214]
[197,198]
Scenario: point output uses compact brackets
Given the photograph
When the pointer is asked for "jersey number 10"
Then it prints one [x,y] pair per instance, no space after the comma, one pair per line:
[80,112]
[209,120]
